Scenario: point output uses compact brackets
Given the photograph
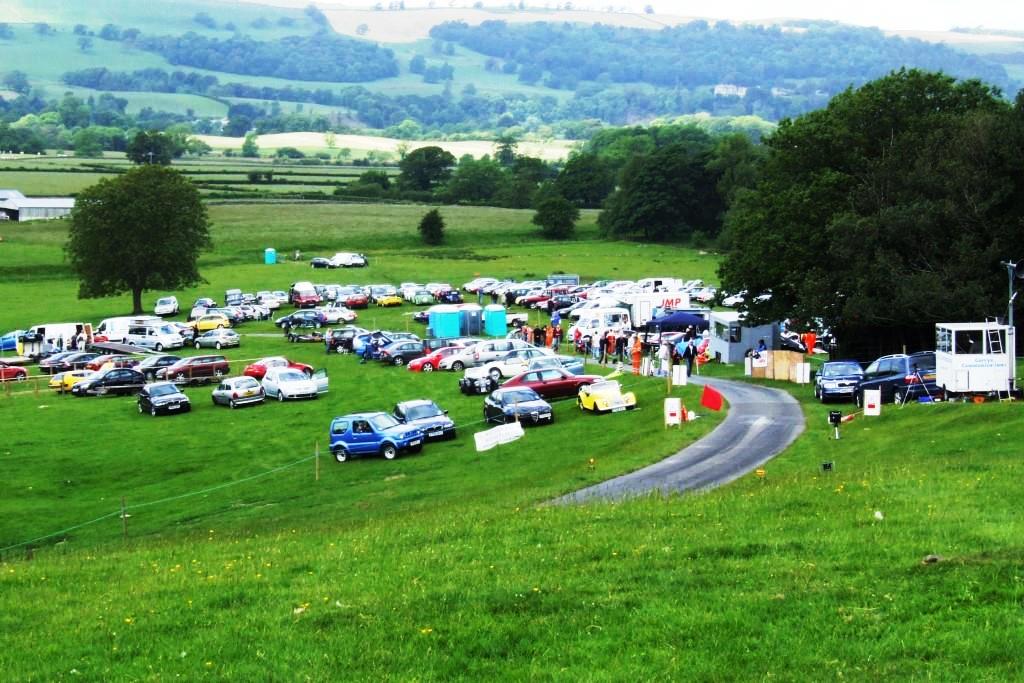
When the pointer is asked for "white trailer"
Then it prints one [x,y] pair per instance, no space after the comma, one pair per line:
[973,358]
[644,306]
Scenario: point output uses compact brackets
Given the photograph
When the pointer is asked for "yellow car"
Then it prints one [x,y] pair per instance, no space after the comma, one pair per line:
[63,381]
[390,300]
[605,397]
[211,321]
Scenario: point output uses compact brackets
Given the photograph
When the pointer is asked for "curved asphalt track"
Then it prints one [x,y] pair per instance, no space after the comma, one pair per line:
[761,423]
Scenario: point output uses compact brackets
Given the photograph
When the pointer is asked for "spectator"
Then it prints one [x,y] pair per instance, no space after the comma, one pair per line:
[690,355]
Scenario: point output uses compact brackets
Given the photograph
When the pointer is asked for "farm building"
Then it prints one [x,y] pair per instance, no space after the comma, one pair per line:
[15,206]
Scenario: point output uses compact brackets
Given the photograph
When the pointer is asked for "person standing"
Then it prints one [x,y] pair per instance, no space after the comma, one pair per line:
[665,357]
[556,338]
[527,334]
[549,336]
[690,355]
[637,353]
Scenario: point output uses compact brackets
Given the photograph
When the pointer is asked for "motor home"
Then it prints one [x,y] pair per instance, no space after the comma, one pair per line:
[116,329]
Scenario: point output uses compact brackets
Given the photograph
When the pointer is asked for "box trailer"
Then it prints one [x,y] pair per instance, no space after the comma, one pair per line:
[645,306]
[974,358]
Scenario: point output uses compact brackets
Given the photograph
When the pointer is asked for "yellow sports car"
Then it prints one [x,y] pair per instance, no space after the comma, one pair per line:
[390,300]
[605,397]
[211,321]
[63,381]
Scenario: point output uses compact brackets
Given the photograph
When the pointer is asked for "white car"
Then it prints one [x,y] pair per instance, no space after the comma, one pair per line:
[268,299]
[509,365]
[335,313]
[734,300]
[407,289]
[288,383]
[478,283]
[347,259]
[167,305]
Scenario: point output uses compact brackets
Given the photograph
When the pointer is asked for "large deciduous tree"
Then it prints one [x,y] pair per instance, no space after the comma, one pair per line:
[140,231]
[425,167]
[555,214]
[886,212]
[151,147]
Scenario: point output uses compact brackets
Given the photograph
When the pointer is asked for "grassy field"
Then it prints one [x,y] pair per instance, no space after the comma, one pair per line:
[447,565]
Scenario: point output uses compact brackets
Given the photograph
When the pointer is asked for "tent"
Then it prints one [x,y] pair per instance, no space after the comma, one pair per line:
[678,321]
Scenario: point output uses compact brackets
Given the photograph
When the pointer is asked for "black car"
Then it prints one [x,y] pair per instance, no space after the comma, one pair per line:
[559,302]
[401,352]
[113,382]
[505,405]
[450,296]
[421,317]
[320,262]
[54,363]
[837,379]
[76,360]
[302,318]
[150,364]
[340,339]
[163,398]
[900,377]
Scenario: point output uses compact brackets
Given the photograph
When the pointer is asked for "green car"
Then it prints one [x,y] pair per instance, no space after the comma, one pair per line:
[423,297]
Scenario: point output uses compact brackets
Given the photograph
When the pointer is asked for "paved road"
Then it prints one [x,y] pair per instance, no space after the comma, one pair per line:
[761,423]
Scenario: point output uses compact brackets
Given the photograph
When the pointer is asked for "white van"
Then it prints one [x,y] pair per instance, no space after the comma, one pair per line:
[660,284]
[157,337]
[601,321]
[46,337]
[347,259]
[116,329]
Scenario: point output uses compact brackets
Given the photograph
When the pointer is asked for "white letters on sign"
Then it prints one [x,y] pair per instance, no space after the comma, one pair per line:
[873,402]
[488,439]
[673,411]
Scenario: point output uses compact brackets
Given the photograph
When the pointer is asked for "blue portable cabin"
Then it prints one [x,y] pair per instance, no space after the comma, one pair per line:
[494,321]
[471,322]
[269,256]
[444,321]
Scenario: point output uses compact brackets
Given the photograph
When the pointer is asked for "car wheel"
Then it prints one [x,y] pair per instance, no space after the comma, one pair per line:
[198,345]
[232,404]
[317,325]
[458,366]
[389,451]
[341,455]
[141,411]
[217,346]
[858,399]
[280,396]
[495,374]
[220,326]
[427,367]
[158,347]
[399,360]
[180,377]
[152,411]
[22,377]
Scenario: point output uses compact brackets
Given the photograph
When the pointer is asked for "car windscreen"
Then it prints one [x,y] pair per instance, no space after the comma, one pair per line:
[838,369]
[246,383]
[163,302]
[521,396]
[291,376]
[383,421]
[423,411]
[163,390]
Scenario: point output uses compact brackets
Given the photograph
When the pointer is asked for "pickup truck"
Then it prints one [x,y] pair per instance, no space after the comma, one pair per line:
[372,434]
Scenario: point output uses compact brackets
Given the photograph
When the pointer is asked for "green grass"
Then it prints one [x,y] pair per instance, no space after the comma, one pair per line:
[445,565]
[60,184]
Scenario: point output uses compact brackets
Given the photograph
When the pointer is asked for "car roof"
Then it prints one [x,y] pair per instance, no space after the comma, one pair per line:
[352,416]
[415,402]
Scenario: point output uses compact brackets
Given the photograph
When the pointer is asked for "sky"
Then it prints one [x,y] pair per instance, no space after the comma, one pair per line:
[931,15]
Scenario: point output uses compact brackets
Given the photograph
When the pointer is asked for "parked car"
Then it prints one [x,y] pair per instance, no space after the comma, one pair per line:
[98,361]
[268,299]
[303,295]
[184,330]
[482,352]
[217,339]
[321,262]
[54,363]
[517,403]
[388,300]
[9,341]
[288,383]
[238,391]
[431,361]
[167,305]
[427,416]
[372,434]
[149,365]
[156,337]
[314,318]
[12,373]
[509,365]
[900,377]
[401,352]
[353,297]
[195,369]
[114,382]
[553,382]
[163,398]
[211,321]
[69,378]
[335,313]
[837,380]
[380,339]
[422,297]
[449,296]
[340,339]
[260,367]
[573,364]
[345,259]
[605,397]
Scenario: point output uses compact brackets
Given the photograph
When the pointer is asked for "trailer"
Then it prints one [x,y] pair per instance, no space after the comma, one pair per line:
[644,306]
[974,359]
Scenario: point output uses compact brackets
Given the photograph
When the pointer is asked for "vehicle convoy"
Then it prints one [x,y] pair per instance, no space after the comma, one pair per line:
[377,433]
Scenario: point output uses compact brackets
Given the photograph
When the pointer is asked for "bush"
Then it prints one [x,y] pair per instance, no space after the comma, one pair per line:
[432,227]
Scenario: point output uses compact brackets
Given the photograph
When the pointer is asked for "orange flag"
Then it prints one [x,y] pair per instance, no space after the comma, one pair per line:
[710,398]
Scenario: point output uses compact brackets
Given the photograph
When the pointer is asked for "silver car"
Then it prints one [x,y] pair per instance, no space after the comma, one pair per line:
[238,391]
[217,339]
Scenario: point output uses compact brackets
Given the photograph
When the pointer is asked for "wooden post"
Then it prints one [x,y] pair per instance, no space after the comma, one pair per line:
[668,378]
[316,452]
[124,520]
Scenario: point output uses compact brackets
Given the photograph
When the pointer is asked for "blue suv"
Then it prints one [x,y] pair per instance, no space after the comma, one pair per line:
[371,434]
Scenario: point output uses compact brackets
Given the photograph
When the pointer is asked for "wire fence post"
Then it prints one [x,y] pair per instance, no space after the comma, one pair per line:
[316,453]
[124,520]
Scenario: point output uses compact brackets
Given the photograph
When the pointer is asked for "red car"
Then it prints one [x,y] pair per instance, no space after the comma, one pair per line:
[98,362]
[355,300]
[10,373]
[552,382]
[535,300]
[260,367]
[432,360]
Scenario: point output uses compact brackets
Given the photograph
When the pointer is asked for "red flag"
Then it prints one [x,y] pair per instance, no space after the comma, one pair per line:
[710,398]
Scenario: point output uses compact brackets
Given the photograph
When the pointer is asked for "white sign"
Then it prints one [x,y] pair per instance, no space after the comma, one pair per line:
[507,433]
[646,367]
[872,402]
[748,365]
[803,373]
[760,360]
[673,411]
[679,375]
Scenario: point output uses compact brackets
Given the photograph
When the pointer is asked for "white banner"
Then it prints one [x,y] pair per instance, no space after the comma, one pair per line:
[679,375]
[507,433]
[803,373]
[673,411]
[872,402]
